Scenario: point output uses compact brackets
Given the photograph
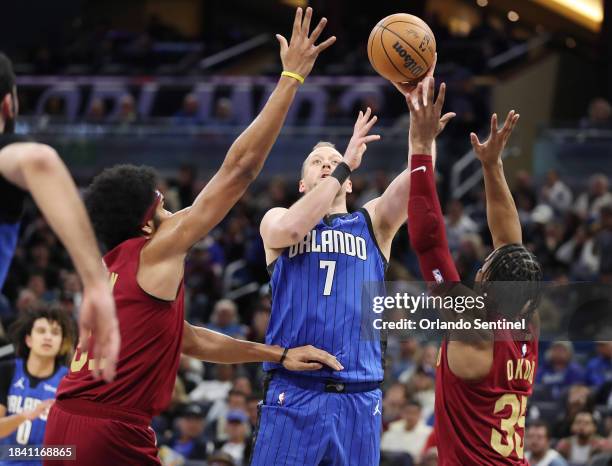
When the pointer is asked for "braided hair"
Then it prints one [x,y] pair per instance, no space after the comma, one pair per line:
[513,263]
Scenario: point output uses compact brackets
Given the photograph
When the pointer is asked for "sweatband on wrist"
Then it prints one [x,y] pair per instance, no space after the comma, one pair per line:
[341,172]
[283,356]
[296,76]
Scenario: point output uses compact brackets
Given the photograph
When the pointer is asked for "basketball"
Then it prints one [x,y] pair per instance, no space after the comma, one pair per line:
[401,48]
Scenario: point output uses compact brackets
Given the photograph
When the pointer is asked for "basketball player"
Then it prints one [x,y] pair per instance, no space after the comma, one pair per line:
[109,423]
[319,257]
[482,384]
[44,341]
[38,169]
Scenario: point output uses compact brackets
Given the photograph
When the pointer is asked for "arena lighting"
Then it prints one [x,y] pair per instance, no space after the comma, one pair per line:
[482,3]
[513,16]
[589,13]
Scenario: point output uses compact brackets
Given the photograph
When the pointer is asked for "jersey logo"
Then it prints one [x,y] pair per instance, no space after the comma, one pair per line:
[524,349]
[19,383]
[437,275]
[281,399]
[377,409]
[422,168]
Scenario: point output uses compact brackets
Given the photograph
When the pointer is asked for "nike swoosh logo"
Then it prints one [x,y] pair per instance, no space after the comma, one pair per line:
[422,168]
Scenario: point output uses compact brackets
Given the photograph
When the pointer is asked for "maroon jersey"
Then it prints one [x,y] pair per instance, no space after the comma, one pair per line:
[483,423]
[151,332]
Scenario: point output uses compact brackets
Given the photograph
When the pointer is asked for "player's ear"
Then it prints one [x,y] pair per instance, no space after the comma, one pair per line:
[148,228]
[302,186]
[349,186]
[28,341]
[7,107]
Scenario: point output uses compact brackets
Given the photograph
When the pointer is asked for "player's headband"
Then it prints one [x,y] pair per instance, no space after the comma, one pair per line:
[152,208]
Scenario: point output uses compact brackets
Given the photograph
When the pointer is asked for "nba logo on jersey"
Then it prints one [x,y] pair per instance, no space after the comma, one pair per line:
[437,275]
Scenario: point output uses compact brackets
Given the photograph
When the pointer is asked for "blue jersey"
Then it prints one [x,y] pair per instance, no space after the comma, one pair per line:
[317,287]
[11,207]
[22,396]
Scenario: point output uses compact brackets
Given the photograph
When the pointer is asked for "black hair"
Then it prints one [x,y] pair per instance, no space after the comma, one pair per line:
[7,76]
[513,263]
[542,424]
[117,200]
[24,324]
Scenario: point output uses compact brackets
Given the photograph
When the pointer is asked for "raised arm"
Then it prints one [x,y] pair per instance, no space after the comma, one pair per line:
[426,222]
[280,228]
[248,153]
[211,346]
[37,168]
[502,215]
[388,212]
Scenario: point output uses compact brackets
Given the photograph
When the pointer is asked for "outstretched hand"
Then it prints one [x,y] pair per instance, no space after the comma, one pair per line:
[358,143]
[490,151]
[426,122]
[299,55]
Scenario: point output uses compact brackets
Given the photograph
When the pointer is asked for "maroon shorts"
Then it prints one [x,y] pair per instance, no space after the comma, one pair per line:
[101,435]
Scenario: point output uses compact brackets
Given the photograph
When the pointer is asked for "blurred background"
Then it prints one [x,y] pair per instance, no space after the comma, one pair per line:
[171,83]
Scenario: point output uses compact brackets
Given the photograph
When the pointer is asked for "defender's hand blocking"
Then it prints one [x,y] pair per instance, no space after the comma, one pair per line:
[358,143]
[405,88]
[490,151]
[425,120]
[298,56]
[309,358]
[98,320]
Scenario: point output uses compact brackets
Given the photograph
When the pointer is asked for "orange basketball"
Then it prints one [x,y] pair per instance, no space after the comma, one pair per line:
[401,48]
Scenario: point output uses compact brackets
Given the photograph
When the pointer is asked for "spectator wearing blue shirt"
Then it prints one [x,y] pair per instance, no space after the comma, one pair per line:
[558,371]
[599,368]
[189,441]
[224,319]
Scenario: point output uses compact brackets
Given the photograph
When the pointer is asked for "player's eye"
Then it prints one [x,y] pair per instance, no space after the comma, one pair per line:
[316,162]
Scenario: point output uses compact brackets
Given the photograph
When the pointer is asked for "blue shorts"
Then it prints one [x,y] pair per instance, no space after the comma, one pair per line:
[299,425]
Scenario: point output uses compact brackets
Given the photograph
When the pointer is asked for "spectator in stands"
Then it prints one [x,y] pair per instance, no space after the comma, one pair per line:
[579,255]
[220,458]
[599,115]
[537,446]
[224,319]
[259,325]
[524,189]
[127,111]
[394,400]
[409,434]
[235,401]
[458,224]
[603,242]
[588,204]
[218,387]
[224,113]
[558,371]
[237,436]
[253,410]
[189,440]
[404,365]
[96,112]
[555,193]
[583,444]
[578,400]
[189,112]
[421,387]
[470,257]
[599,368]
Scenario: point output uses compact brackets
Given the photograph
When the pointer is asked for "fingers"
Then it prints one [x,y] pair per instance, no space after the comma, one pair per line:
[508,121]
[84,335]
[283,43]
[428,98]
[369,125]
[494,124]
[297,24]
[325,44]
[110,354]
[325,358]
[441,97]
[317,31]
[410,102]
[447,117]
[432,68]
[474,140]
[306,23]
[310,366]
[371,138]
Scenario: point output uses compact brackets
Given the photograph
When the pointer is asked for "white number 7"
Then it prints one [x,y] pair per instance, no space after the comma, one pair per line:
[329,279]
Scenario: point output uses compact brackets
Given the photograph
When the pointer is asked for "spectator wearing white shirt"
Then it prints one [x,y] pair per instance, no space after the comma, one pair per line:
[458,224]
[537,444]
[555,193]
[409,434]
[589,203]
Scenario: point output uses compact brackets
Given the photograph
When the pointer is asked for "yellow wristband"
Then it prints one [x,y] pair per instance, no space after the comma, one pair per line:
[293,75]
